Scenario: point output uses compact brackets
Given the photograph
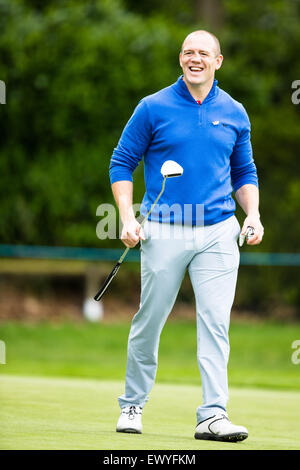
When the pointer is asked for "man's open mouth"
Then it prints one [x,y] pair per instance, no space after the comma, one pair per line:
[196,69]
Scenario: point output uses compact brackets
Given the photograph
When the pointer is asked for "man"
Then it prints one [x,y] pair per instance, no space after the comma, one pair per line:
[198,125]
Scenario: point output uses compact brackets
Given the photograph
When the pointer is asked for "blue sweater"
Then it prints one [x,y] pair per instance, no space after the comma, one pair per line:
[210,141]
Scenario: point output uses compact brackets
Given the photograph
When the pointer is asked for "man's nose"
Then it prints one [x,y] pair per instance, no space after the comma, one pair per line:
[197,58]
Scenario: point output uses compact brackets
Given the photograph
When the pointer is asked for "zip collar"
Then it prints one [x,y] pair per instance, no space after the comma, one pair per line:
[181,88]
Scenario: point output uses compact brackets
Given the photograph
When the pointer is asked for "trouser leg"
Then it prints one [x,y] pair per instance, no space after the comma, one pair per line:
[163,264]
[213,273]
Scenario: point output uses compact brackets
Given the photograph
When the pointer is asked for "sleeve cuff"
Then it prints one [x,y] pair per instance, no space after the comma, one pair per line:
[120,174]
[242,182]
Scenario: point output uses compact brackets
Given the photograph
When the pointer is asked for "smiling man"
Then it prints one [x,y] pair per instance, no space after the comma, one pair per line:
[207,132]
[199,65]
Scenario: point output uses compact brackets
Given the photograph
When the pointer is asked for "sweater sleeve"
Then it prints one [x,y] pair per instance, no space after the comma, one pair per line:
[243,168]
[132,145]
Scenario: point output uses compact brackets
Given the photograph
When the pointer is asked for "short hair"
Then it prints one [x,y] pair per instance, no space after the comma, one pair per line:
[201,31]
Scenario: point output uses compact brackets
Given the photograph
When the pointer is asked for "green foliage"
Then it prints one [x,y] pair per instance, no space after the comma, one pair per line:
[75,70]
[74,73]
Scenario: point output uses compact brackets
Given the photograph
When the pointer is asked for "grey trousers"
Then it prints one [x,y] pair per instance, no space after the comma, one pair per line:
[211,255]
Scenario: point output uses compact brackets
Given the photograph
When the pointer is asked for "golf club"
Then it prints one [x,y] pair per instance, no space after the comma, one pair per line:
[169,169]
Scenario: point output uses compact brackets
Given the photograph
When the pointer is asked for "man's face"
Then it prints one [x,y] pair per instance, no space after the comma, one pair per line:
[198,59]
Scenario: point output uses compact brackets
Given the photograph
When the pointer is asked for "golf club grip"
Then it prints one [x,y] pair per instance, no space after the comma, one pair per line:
[107,282]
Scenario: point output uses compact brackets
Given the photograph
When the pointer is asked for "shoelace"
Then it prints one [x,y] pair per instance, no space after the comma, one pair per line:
[218,417]
[226,417]
[221,416]
[131,412]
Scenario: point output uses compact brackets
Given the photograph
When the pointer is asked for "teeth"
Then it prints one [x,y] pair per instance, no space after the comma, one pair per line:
[196,69]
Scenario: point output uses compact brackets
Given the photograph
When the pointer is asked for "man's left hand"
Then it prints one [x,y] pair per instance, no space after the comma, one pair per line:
[253,221]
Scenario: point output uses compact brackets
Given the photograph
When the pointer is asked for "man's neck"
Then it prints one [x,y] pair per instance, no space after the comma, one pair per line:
[199,92]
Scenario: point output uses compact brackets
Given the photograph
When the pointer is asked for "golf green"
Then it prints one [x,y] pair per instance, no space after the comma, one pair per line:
[72,413]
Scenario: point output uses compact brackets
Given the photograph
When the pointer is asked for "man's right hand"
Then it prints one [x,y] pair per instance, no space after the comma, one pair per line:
[132,233]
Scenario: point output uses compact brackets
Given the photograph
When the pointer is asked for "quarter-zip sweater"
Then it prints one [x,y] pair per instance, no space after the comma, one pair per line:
[211,141]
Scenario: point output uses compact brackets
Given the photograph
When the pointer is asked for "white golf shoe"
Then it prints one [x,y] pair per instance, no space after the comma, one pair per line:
[219,428]
[130,420]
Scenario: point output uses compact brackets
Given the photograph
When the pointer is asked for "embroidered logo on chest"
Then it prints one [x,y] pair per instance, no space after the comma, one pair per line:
[216,123]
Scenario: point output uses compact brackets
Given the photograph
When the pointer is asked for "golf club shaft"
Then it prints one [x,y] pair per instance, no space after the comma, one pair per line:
[145,218]
[120,261]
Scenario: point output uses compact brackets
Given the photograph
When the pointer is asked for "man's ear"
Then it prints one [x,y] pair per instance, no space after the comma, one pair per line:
[180,59]
[219,62]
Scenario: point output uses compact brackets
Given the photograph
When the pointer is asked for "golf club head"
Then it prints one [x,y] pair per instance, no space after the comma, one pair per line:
[170,169]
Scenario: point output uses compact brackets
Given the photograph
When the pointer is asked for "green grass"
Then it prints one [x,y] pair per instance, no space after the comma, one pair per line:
[260,352]
[60,385]
[60,413]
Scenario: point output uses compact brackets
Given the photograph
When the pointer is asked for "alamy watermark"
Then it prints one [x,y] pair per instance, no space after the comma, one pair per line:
[296,94]
[2,352]
[2,92]
[176,221]
[296,354]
